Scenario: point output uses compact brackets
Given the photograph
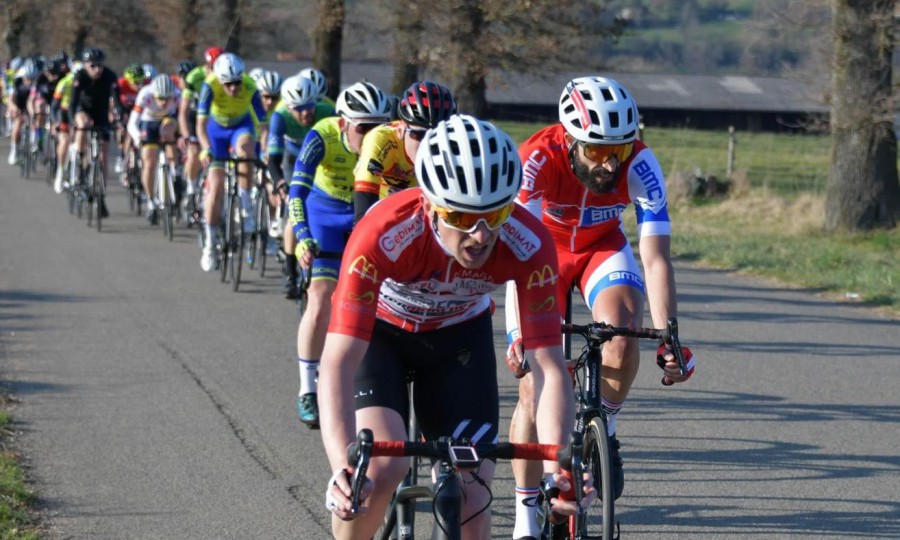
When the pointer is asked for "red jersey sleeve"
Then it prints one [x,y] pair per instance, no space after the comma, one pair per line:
[536,278]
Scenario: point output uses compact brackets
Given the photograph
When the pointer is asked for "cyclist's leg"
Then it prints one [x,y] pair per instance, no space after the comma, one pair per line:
[330,231]
[381,376]
[192,157]
[289,241]
[614,291]
[149,159]
[244,142]
[62,149]
[82,122]
[219,140]
[522,428]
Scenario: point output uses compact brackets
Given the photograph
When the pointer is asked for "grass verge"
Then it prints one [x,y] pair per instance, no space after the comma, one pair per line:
[15,495]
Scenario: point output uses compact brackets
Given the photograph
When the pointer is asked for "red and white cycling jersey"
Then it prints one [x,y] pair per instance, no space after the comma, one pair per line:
[127,93]
[395,268]
[577,218]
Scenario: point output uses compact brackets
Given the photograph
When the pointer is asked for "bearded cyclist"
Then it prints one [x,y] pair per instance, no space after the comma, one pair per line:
[579,177]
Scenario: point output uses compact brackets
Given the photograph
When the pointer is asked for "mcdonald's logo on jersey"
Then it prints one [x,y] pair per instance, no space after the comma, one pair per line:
[366,298]
[540,278]
[364,269]
[547,305]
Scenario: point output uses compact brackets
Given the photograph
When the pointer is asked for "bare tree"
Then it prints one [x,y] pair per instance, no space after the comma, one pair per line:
[15,14]
[328,41]
[469,38]
[408,36]
[863,190]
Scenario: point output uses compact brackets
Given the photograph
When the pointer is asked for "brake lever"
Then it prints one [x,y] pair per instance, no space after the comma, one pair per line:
[672,330]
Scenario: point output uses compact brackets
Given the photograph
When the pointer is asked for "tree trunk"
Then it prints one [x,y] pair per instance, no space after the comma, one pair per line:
[409,29]
[232,21]
[467,70]
[189,29]
[15,28]
[863,189]
[329,36]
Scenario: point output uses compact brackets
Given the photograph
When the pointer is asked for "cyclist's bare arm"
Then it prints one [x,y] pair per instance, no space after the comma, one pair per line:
[183,108]
[553,391]
[340,358]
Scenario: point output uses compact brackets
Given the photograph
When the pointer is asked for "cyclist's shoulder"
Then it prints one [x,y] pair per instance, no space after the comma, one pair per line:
[549,140]
[324,109]
[381,142]
[526,236]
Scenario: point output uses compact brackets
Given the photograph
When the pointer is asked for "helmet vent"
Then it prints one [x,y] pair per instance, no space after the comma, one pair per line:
[607,95]
[614,120]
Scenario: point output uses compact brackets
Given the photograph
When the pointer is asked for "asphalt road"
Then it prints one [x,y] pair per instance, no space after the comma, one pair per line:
[152,402]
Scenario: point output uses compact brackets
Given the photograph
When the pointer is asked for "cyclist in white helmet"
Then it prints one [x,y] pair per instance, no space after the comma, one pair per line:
[414,296]
[154,120]
[580,175]
[269,85]
[318,78]
[321,212]
[294,116]
[227,108]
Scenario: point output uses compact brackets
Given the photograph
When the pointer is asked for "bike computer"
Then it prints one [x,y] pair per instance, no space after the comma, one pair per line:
[464,457]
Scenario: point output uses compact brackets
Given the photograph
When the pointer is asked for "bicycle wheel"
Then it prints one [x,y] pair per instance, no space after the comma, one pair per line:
[50,159]
[236,259]
[99,191]
[254,241]
[226,241]
[599,521]
[162,183]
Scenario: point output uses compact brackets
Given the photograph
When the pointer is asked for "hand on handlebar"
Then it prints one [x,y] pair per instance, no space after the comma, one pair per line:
[665,359]
[306,250]
[515,359]
[558,488]
[339,492]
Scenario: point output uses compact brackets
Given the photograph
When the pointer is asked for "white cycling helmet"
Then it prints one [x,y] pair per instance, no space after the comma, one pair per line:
[364,101]
[269,83]
[468,165]
[598,110]
[29,70]
[162,86]
[256,73]
[298,91]
[149,71]
[318,79]
[228,68]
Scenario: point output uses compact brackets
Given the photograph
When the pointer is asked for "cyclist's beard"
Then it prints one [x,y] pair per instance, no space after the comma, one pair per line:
[597,180]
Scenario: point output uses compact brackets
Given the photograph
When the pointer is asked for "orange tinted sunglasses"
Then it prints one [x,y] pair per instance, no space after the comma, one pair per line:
[600,153]
[467,221]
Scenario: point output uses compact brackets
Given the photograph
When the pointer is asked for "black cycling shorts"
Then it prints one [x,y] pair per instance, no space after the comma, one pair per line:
[454,371]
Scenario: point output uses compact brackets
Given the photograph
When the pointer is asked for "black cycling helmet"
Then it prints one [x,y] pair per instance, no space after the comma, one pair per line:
[61,57]
[425,104]
[93,54]
[184,67]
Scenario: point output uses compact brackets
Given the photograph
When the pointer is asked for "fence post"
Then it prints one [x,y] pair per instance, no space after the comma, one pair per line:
[729,168]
